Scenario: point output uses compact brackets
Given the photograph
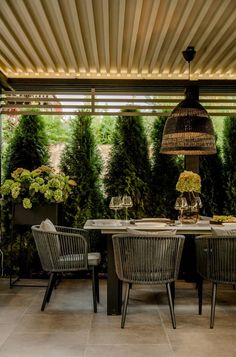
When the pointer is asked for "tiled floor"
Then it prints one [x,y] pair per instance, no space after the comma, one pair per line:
[68,327]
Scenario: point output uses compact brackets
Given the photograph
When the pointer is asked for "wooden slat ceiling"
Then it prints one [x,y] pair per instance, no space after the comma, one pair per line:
[136,39]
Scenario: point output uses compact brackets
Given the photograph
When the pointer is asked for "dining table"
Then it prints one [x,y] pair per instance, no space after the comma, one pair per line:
[108,227]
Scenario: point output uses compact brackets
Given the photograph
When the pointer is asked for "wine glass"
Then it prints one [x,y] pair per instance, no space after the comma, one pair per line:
[127,202]
[115,204]
[181,204]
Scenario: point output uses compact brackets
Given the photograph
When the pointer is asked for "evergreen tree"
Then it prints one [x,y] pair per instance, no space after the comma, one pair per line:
[229,155]
[128,170]
[82,161]
[212,193]
[165,173]
[28,147]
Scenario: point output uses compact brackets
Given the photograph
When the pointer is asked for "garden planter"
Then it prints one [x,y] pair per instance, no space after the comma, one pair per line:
[35,215]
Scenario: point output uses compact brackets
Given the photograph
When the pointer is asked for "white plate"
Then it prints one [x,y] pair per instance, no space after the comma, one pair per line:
[106,222]
[150,224]
[153,220]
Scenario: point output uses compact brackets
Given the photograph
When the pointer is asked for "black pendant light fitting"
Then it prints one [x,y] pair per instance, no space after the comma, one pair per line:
[189,129]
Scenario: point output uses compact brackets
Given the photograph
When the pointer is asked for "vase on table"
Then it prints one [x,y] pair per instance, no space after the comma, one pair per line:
[188,205]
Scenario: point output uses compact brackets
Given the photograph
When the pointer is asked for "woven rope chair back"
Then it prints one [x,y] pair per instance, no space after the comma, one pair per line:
[216,258]
[61,251]
[147,259]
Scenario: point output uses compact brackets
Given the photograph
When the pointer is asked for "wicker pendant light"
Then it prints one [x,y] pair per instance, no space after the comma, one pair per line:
[189,129]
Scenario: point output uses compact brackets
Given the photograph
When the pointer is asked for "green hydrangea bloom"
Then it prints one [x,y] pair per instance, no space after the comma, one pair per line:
[189,182]
[27,203]
[54,182]
[34,186]
[39,186]
[39,180]
[6,187]
[48,194]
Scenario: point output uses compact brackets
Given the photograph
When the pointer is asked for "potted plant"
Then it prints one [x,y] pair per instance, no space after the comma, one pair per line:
[33,192]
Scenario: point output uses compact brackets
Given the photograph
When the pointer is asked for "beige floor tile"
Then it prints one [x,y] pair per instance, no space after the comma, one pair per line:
[46,323]
[131,334]
[5,331]
[68,327]
[44,345]
[137,350]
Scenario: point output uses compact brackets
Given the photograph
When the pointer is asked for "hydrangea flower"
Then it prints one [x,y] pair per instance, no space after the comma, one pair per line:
[42,185]
[189,182]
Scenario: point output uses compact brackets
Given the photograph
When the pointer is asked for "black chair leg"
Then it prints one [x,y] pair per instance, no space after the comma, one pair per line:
[199,291]
[97,284]
[172,290]
[125,304]
[47,292]
[172,313]
[53,285]
[94,290]
[213,304]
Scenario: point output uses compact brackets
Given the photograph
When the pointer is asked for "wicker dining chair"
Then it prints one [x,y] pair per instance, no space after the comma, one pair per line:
[66,250]
[216,262]
[147,259]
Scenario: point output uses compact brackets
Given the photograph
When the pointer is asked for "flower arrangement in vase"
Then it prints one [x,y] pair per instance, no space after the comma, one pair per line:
[189,184]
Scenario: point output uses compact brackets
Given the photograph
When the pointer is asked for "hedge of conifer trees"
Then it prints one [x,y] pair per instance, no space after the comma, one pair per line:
[81,160]
[128,171]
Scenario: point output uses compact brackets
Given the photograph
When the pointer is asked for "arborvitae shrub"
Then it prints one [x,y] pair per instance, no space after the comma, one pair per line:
[229,155]
[165,173]
[28,147]
[212,191]
[128,170]
[81,160]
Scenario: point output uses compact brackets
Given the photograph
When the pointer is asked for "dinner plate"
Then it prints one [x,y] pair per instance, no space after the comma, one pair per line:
[106,222]
[153,220]
[149,224]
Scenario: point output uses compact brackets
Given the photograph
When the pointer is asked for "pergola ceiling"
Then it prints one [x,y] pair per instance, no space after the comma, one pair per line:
[136,39]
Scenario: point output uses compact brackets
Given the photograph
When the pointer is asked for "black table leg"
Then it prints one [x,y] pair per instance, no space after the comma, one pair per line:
[188,269]
[114,285]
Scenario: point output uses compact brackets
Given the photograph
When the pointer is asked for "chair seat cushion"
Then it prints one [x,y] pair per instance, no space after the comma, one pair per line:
[93,258]
[48,226]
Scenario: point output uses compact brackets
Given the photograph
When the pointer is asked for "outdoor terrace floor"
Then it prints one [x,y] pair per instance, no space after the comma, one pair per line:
[68,327]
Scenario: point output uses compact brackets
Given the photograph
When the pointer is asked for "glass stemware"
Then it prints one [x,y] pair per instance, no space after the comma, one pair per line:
[181,204]
[115,204]
[126,203]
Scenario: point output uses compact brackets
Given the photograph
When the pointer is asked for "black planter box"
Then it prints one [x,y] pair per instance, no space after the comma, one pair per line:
[35,215]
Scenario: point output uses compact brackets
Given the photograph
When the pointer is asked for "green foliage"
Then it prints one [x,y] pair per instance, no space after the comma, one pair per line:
[128,171]
[212,192]
[28,148]
[81,161]
[57,128]
[165,173]
[229,155]
[9,123]
[218,123]
[103,129]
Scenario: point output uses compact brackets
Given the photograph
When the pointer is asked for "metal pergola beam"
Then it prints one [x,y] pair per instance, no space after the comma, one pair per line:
[170,87]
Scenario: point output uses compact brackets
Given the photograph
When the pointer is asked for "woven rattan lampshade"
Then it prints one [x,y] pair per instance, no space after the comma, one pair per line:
[189,129]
